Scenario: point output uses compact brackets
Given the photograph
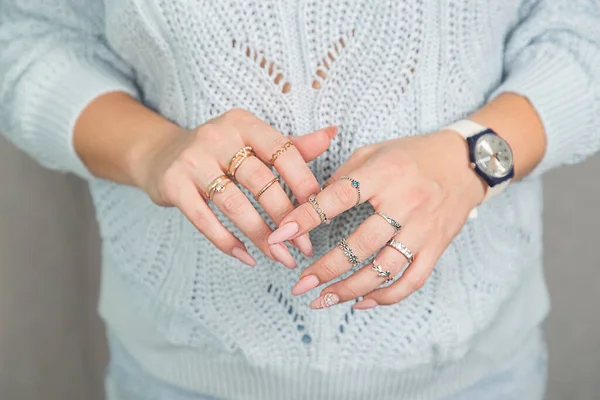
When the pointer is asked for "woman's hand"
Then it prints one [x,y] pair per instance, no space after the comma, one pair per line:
[422,182]
[177,170]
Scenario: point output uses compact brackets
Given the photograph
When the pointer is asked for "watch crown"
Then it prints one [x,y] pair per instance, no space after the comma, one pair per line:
[472,165]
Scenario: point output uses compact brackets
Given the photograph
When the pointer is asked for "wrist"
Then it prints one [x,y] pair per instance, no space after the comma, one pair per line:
[141,155]
[459,165]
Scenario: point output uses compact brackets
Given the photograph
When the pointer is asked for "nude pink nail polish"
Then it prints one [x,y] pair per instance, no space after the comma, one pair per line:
[327,300]
[283,255]
[365,304]
[305,284]
[304,245]
[243,256]
[283,233]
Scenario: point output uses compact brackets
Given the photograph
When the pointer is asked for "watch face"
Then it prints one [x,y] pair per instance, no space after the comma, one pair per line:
[493,155]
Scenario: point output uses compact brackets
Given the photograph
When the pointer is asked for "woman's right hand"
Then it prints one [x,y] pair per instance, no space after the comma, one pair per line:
[177,170]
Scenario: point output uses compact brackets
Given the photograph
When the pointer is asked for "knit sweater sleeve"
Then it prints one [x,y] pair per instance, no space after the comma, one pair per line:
[54,60]
[553,59]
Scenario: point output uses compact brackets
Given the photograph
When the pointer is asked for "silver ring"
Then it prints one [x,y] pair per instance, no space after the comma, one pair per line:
[380,272]
[402,249]
[349,253]
[390,221]
[313,201]
[355,185]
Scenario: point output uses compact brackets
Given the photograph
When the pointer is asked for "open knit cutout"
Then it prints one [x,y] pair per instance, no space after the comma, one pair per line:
[272,69]
[298,319]
[327,61]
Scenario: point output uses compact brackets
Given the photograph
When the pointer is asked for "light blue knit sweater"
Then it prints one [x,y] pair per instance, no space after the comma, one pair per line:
[393,68]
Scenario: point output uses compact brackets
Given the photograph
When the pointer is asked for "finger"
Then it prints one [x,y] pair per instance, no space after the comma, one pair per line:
[353,163]
[315,143]
[369,237]
[268,143]
[195,209]
[427,252]
[333,200]
[234,204]
[254,175]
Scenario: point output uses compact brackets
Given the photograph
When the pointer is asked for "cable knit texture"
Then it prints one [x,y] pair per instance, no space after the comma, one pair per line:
[377,69]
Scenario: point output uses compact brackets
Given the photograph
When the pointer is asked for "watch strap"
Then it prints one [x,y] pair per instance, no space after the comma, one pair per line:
[465,128]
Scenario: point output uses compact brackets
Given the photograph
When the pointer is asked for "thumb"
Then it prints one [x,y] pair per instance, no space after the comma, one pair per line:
[315,143]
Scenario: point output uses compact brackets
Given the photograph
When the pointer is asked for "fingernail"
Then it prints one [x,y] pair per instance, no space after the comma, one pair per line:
[305,284]
[327,300]
[283,233]
[332,132]
[283,255]
[243,256]
[304,244]
[365,304]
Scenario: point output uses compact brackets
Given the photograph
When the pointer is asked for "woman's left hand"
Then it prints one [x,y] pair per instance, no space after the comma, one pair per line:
[422,182]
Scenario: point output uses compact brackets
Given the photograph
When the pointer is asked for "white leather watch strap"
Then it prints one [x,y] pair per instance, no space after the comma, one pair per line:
[467,128]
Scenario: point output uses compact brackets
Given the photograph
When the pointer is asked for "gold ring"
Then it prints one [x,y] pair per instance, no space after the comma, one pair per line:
[217,186]
[264,189]
[279,152]
[238,159]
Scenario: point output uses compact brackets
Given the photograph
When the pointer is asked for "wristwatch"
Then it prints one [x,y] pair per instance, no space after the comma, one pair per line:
[490,156]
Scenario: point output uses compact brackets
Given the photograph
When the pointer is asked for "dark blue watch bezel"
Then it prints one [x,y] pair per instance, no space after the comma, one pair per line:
[490,180]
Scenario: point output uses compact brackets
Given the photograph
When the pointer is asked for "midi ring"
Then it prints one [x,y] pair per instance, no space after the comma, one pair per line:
[267,186]
[313,201]
[217,186]
[280,151]
[349,253]
[380,272]
[355,185]
[390,221]
[405,251]
[238,159]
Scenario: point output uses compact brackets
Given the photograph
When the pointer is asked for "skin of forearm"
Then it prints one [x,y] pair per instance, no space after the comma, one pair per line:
[114,132]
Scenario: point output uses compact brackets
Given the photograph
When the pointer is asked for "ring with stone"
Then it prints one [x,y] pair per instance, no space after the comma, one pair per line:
[355,185]
[217,186]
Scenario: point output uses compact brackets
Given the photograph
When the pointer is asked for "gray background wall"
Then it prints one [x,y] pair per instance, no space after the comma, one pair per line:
[51,341]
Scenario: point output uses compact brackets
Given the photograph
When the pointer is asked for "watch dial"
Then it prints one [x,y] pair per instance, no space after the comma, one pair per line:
[493,155]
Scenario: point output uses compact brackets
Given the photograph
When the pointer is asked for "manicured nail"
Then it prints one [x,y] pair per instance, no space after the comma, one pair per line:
[243,256]
[332,132]
[305,284]
[365,304]
[304,245]
[283,255]
[283,233]
[327,300]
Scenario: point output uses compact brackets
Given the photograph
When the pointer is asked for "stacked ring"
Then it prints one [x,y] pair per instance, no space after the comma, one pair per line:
[355,185]
[264,189]
[217,186]
[313,201]
[280,151]
[380,272]
[349,253]
[405,251]
[238,159]
[390,221]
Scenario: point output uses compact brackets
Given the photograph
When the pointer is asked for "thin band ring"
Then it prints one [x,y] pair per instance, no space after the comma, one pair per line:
[380,272]
[313,201]
[267,186]
[390,221]
[405,251]
[355,185]
[217,186]
[280,151]
[349,253]
[238,159]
